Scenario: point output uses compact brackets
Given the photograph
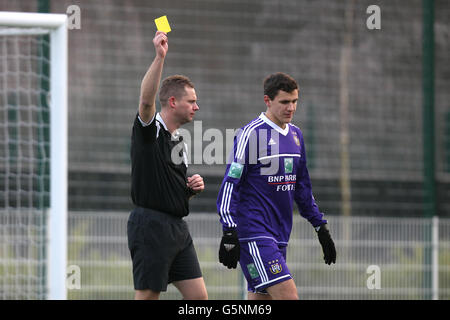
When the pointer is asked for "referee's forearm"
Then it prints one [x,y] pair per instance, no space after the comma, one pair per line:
[149,89]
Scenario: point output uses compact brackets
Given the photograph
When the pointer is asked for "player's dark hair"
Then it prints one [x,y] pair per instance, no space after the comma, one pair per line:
[279,81]
[173,86]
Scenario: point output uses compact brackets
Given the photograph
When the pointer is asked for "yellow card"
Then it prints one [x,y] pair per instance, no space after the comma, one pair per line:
[162,24]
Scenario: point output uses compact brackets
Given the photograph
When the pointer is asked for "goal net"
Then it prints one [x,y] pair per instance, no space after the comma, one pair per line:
[33,155]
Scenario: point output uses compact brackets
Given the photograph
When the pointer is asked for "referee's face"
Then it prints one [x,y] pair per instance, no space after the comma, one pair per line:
[187,106]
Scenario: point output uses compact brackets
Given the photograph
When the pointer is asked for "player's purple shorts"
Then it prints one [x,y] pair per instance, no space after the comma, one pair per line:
[263,262]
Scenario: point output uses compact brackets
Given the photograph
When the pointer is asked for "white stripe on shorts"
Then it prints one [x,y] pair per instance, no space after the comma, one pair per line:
[273,280]
[254,251]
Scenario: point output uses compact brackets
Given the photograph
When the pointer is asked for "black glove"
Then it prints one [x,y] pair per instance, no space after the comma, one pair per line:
[329,251]
[230,249]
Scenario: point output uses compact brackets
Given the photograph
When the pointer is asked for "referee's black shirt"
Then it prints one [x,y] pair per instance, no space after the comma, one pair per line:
[157,181]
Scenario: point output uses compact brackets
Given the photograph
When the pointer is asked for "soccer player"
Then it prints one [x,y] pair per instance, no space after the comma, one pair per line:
[266,175]
[161,247]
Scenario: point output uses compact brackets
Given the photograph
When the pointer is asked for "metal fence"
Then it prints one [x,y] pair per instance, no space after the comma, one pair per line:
[410,257]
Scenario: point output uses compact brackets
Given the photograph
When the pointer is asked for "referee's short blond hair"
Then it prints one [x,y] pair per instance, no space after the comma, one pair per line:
[173,86]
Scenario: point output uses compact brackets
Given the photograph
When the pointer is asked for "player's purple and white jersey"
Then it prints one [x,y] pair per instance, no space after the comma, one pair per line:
[265,174]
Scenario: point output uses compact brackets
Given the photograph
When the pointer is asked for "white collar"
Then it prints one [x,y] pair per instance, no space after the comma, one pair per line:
[158,117]
[176,133]
[284,131]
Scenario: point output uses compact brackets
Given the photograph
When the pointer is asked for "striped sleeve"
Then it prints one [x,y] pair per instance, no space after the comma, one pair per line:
[228,197]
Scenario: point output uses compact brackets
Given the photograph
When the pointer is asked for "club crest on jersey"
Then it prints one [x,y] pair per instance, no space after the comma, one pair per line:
[296,139]
[275,267]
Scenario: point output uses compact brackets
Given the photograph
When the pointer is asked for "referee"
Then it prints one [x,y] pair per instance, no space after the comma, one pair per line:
[161,247]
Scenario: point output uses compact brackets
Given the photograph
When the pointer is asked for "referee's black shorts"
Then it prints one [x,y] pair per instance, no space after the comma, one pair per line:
[161,250]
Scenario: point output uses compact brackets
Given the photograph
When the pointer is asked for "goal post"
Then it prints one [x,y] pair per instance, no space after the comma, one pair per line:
[16,24]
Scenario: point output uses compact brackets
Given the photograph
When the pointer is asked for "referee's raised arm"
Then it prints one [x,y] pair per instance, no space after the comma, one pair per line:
[150,83]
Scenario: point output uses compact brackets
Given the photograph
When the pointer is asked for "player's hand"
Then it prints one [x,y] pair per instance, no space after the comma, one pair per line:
[161,43]
[229,250]
[195,183]
[328,248]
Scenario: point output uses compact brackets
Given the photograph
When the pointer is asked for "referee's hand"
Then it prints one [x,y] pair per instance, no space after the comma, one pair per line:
[229,251]
[161,43]
[195,183]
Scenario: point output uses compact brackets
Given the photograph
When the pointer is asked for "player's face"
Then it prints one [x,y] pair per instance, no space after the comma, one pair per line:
[282,108]
[187,106]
